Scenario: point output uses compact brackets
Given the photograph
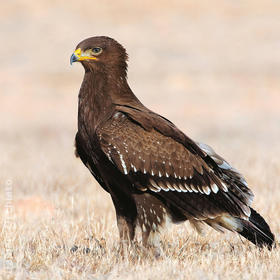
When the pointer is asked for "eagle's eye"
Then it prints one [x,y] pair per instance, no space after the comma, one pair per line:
[97,51]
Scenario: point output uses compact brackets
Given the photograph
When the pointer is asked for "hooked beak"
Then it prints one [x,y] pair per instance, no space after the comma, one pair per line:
[78,55]
[73,58]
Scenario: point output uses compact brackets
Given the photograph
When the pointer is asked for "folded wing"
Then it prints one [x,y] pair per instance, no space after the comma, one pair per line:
[201,186]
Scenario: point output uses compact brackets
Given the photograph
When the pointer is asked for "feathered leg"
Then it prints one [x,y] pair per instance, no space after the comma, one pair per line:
[126,229]
[152,219]
[126,213]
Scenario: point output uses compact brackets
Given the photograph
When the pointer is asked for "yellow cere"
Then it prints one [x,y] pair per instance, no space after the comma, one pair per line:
[84,55]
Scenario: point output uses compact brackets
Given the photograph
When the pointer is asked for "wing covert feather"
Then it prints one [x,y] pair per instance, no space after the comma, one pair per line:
[134,149]
[159,163]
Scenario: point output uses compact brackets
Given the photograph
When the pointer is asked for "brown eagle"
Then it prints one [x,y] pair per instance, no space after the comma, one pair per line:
[154,173]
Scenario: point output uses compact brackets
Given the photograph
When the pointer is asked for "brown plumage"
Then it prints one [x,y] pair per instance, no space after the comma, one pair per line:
[154,173]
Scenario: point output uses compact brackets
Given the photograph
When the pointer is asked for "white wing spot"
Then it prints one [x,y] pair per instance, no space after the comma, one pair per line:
[159,174]
[117,115]
[156,187]
[194,189]
[188,188]
[214,188]
[182,188]
[109,156]
[169,186]
[206,190]
[176,187]
[133,167]
[123,163]
[144,228]
[163,186]
[225,188]
[200,190]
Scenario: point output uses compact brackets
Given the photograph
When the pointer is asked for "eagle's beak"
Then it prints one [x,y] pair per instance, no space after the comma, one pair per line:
[78,55]
[75,56]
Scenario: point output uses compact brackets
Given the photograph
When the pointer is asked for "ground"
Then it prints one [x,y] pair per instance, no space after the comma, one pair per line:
[212,68]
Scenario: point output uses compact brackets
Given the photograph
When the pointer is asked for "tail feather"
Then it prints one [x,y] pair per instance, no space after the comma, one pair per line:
[257,230]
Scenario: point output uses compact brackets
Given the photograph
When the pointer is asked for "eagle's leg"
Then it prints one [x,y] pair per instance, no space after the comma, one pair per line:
[152,219]
[126,213]
[126,229]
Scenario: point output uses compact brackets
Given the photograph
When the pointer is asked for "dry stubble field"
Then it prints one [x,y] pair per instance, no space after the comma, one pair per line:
[212,68]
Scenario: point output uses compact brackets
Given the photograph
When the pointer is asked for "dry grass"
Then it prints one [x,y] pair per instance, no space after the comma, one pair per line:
[211,68]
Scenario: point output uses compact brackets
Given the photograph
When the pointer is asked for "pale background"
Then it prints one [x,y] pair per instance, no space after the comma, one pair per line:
[212,67]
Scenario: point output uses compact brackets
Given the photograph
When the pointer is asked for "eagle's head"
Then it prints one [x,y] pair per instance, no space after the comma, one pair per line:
[101,54]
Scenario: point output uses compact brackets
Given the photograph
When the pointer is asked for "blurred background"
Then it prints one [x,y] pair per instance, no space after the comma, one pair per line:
[212,67]
[214,64]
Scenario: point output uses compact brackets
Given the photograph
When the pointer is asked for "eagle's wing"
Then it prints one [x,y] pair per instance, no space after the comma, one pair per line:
[157,163]
[229,174]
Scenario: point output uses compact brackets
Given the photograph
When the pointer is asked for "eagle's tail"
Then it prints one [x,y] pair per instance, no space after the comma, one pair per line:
[257,230]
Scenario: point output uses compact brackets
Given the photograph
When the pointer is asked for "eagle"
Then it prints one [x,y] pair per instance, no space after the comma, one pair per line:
[156,175]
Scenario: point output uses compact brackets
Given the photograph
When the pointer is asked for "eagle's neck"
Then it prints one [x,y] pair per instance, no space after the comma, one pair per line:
[99,95]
